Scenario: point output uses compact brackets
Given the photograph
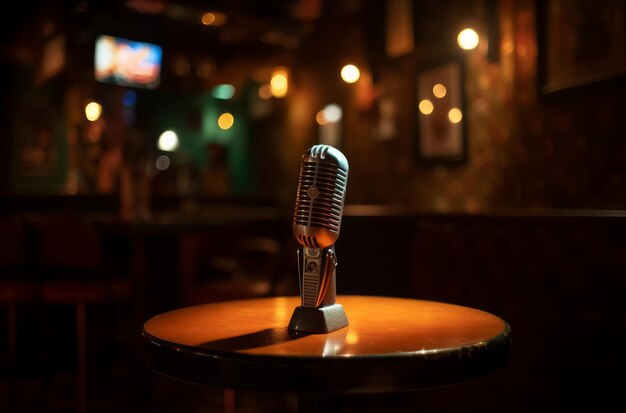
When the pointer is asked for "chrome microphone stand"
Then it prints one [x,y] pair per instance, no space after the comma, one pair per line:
[318,312]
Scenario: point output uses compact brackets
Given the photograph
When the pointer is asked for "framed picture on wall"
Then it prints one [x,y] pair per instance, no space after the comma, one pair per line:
[441,114]
[580,42]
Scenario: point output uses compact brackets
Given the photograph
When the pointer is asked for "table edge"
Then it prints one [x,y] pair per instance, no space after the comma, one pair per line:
[396,372]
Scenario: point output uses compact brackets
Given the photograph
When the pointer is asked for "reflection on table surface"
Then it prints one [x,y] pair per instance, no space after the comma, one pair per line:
[378,325]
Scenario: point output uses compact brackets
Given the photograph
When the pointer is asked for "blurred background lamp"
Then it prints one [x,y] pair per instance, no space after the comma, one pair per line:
[467,39]
[439,90]
[265,91]
[168,141]
[426,107]
[224,91]
[208,19]
[350,73]
[332,113]
[214,18]
[163,162]
[225,121]
[320,118]
[93,111]
[455,115]
[279,83]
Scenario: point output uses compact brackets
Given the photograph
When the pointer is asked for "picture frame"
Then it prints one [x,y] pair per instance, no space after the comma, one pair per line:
[441,119]
[580,43]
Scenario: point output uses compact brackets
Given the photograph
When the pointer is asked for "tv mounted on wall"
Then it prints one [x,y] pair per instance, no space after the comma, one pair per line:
[127,62]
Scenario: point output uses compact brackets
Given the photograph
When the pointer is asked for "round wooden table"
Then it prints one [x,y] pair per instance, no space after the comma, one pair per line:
[391,344]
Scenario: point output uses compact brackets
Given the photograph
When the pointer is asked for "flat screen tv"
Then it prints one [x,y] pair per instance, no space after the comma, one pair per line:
[127,62]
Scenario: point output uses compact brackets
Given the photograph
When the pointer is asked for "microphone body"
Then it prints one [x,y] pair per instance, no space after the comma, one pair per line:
[316,223]
[320,197]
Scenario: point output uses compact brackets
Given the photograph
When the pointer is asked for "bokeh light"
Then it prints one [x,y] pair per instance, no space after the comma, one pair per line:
[213,18]
[439,90]
[426,107]
[333,113]
[93,110]
[225,121]
[468,39]
[168,141]
[265,91]
[320,118]
[208,18]
[163,162]
[224,91]
[455,115]
[280,82]
[350,73]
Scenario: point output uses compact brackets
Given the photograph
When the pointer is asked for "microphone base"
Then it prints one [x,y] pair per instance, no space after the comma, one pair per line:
[318,320]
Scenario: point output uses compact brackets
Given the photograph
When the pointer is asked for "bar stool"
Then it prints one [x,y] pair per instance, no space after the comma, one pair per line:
[70,253]
[16,291]
[15,287]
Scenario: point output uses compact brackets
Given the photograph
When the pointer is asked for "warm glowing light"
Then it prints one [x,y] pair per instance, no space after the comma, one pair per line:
[426,107]
[224,91]
[467,39]
[168,141]
[208,19]
[213,18]
[352,337]
[320,118]
[455,115]
[350,73]
[439,90]
[225,121]
[163,162]
[332,113]
[280,82]
[93,111]
[265,91]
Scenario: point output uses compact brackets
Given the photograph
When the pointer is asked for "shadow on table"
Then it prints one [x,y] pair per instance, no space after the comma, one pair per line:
[257,339]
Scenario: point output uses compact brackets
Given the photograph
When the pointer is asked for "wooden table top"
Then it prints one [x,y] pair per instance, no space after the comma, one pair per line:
[391,344]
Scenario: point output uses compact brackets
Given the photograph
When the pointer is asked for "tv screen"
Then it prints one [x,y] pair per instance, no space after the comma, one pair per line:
[127,62]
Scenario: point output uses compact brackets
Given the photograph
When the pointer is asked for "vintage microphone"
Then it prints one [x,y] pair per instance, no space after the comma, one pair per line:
[316,222]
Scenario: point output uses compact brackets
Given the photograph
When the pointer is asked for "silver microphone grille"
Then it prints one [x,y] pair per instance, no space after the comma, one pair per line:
[320,197]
